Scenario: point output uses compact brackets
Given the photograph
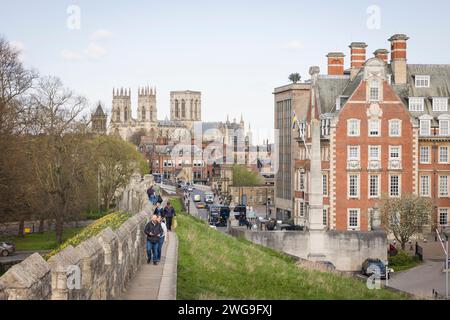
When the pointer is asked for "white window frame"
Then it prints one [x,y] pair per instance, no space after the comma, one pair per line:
[377,187]
[439,217]
[441,194]
[440,104]
[425,192]
[357,122]
[428,154]
[325,184]
[441,148]
[357,186]
[349,157]
[442,132]
[378,158]
[424,133]
[351,212]
[399,185]
[374,91]
[370,128]
[422,81]
[301,181]
[391,126]
[399,153]
[416,104]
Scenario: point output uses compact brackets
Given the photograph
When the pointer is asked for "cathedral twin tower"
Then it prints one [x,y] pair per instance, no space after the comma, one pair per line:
[121,105]
[185,109]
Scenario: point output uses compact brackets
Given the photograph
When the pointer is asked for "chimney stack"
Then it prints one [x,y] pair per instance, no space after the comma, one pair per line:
[335,63]
[382,54]
[358,57]
[398,57]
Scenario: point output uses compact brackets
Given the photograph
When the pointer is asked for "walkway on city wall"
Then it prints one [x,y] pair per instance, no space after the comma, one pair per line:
[156,282]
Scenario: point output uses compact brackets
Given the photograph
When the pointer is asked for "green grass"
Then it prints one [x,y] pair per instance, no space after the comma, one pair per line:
[212,265]
[41,241]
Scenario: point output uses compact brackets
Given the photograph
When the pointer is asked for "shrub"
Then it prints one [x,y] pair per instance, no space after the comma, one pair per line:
[113,220]
[402,258]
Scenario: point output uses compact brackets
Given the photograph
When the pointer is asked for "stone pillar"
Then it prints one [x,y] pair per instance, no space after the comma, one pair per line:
[315,214]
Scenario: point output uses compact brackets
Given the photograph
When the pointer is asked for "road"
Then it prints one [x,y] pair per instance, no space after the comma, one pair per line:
[421,280]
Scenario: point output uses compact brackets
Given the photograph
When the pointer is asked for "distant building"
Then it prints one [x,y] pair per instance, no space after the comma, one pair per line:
[99,120]
[385,129]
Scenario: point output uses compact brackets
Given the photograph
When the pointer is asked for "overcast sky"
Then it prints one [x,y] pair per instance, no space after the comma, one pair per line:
[234,52]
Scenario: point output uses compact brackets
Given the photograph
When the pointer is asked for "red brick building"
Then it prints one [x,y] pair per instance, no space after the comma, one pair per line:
[385,130]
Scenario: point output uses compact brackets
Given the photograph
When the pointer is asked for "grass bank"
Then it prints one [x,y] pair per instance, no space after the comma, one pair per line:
[212,265]
[113,220]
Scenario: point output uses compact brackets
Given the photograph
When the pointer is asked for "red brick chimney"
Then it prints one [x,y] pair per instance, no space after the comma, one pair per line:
[398,57]
[335,63]
[358,57]
[382,54]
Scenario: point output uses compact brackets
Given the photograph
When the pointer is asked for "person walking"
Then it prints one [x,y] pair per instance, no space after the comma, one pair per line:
[169,213]
[153,230]
[158,210]
[151,195]
[163,237]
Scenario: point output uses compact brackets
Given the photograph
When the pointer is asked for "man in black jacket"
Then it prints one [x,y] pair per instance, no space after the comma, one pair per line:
[169,213]
[153,230]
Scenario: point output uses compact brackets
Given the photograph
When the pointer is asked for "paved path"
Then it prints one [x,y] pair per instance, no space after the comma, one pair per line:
[421,280]
[156,282]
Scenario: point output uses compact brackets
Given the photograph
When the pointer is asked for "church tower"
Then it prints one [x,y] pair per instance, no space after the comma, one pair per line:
[185,106]
[147,112]
[98,120]
[121,106]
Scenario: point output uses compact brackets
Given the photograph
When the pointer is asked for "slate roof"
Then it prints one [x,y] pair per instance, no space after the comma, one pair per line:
[330,87]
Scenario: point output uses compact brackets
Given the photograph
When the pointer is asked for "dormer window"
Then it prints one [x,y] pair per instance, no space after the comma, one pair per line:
[416,104]
[374,91]
[422,81]
[440,104]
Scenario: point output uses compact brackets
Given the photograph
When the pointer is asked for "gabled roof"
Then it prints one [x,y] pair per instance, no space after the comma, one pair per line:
[99,112]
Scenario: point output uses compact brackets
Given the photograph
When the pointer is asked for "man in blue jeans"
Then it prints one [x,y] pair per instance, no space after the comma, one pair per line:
[153,230]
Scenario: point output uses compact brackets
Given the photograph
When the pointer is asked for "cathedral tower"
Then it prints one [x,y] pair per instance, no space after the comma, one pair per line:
[147,105]
[185,106]
[121,106]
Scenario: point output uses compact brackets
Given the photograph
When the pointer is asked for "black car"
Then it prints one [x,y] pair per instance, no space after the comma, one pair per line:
[374,266]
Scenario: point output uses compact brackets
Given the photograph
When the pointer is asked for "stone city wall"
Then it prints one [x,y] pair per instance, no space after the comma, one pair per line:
[98,268]
[346,250]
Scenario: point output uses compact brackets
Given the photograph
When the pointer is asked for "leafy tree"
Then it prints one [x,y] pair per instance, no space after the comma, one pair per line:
[136,137]
[405,216]
[117,160]
[243,177]
[294,77]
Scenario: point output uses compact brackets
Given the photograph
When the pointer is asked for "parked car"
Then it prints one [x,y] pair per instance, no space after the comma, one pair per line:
[7,248]
[374,266]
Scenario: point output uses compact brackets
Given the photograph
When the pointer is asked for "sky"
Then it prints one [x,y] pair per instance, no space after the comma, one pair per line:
[234,52]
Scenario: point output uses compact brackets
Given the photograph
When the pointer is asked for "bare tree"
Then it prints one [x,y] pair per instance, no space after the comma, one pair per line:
[15,179]
[406,216]
[61,160]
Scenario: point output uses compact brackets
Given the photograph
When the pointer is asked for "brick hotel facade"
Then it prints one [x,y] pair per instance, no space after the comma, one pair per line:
[385,129]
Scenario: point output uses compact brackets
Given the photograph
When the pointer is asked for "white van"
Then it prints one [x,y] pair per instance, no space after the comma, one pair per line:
[197,198]
[209,197]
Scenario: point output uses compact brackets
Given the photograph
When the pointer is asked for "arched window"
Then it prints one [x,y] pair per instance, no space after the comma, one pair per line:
[177,112]
[192,109]
[125,114]
[143,113]
[183,109]
[118,115]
